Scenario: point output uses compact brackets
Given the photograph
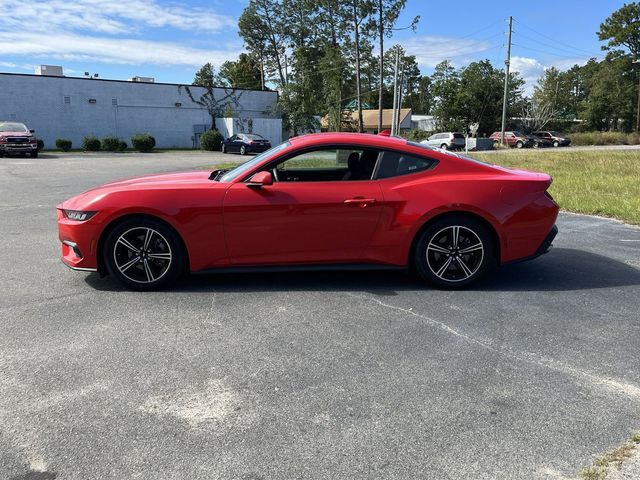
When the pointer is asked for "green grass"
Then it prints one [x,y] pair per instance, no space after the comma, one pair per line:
[594,182]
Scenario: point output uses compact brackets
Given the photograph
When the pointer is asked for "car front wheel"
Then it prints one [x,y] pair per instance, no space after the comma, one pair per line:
[143,254]
[556,143]
[519,144]
[243,150]
[454,252]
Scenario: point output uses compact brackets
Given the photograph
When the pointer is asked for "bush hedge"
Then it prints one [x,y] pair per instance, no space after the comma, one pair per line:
[40,143]
[123,146]
[211,140]
[91,144]
[604,138]
[143,142]
[113,144]
[63,144]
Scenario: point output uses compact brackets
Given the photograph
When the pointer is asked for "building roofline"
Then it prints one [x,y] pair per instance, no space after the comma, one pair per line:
[128,81]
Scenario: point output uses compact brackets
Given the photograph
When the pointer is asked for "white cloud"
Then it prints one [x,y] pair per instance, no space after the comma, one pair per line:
[431,50]
[108,16]
[529,69]
[73,47]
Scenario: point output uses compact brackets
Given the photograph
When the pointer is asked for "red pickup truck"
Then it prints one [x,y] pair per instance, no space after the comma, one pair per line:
[16,138]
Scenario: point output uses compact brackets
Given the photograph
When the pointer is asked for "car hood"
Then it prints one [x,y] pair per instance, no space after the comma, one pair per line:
[16,134]
[166,181]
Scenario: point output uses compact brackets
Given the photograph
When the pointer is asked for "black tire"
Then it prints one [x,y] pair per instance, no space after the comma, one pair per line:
[556,143]
[536,145]
[519,144]
[243,150]
[444,146]
[137,268]
[443,264]
[34,154]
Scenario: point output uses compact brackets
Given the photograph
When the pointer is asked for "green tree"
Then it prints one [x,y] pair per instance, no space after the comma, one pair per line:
[246,72]
[622,29]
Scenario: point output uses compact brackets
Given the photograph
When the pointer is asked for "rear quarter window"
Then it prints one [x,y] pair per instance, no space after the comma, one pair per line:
[394,164]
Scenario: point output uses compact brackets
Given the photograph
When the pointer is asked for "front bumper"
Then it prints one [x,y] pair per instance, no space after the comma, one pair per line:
[79,243]
[18,147]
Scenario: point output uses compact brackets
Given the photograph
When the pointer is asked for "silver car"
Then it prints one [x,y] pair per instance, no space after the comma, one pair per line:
[446,141]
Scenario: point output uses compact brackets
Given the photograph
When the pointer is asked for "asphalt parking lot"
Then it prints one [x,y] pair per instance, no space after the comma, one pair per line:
[349,375]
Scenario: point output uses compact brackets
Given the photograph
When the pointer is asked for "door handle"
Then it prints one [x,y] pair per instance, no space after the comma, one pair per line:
[361,202]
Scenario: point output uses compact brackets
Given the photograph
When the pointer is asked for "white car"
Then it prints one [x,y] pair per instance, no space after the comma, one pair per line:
[446,141]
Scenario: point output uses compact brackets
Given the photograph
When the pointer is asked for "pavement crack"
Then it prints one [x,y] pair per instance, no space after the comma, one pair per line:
[531,358]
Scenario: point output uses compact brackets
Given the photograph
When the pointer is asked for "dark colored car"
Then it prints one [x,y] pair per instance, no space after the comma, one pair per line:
[244,143]
[556,139]
[539,142]
[513,138]
[16,138]
[322,201]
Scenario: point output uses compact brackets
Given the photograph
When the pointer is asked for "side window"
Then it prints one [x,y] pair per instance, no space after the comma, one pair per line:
[394,164]
[328,165]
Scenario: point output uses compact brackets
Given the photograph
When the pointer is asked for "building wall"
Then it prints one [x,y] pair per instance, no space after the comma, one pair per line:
[59,107]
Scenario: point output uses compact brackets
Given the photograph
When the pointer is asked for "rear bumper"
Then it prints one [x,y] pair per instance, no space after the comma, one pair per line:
[544,247]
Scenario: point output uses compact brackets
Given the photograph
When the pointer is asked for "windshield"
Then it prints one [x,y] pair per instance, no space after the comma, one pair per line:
[13,127]
[245,167]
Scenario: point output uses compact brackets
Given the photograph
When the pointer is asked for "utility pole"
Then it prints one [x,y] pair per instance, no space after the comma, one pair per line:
[637,62]
[506,83]
[395,92]
[381,66]
[400,88]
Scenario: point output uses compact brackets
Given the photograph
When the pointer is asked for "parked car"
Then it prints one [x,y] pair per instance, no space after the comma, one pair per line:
[513,138]
[16,138]
[446,141]
[539,142]
[392,204]
[244,143]
[557,139]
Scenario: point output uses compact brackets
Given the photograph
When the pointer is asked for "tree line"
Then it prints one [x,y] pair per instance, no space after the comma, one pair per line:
[320,55]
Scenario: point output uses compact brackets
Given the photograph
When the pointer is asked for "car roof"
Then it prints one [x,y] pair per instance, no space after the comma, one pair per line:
[380,141]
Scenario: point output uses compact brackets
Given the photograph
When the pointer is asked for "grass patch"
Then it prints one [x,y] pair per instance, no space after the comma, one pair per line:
[593,182]
[600,468]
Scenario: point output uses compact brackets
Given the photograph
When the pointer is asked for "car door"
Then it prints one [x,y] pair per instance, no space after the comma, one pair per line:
[301,218]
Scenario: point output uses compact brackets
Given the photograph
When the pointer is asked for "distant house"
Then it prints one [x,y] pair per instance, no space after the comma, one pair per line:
[426,123]
[370,120]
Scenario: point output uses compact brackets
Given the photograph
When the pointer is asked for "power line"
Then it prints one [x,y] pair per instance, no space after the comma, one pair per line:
[555,47]
[573,57]
[552,39]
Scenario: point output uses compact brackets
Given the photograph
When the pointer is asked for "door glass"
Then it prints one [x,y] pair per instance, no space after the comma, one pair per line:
[394,164]
[328,165]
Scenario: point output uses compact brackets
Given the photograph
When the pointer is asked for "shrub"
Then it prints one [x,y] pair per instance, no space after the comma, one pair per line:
[417,135]
[91,144]
[63,144]
[211,140]
[122,146]
[112,144]
[40,143]
[604,138]
[143,142]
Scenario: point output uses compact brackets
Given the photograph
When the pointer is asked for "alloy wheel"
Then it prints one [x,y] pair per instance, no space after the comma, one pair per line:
[455,253]
[142,255]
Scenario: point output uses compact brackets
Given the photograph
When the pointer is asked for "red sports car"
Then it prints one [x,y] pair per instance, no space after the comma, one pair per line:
[317,201]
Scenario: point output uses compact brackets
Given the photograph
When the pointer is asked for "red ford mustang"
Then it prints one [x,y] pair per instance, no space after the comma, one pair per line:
[316,201]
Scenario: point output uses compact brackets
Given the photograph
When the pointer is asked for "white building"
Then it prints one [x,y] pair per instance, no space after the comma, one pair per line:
[68,107]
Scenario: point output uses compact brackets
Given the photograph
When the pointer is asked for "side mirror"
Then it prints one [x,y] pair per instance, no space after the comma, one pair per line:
[260,179]
[32,131]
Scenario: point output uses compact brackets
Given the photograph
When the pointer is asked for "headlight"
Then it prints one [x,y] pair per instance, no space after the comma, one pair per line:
[32,139]
[78,215]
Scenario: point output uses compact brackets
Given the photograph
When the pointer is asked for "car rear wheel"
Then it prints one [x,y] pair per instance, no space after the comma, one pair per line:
[143,254]
[454,252]
[243,150]
[444,146]
[496,145]
[34,154]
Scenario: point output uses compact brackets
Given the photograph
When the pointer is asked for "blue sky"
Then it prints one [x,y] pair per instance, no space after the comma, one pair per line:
[169,40]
